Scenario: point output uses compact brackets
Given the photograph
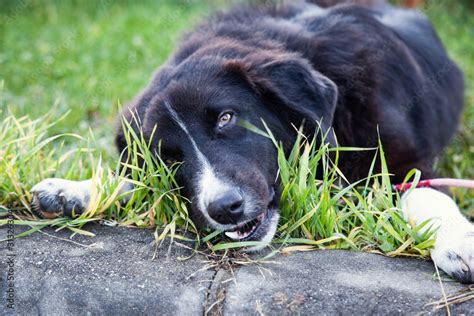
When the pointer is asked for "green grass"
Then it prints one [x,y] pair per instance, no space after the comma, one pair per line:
[455,26]
[79,62]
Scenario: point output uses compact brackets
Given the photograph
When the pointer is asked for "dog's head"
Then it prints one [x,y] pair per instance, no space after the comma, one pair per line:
[228,172]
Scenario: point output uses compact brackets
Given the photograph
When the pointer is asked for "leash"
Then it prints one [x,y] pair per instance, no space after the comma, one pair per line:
[433,183]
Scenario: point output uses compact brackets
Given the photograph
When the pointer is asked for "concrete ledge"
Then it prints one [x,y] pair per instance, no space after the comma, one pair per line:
[338,282]
[116,275]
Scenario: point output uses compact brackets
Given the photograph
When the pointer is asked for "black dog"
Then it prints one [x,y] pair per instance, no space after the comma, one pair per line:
[353,69]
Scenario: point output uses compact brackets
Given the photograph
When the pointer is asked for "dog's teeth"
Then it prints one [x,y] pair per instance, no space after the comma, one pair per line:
[243,235]
[242,230]
[233,235]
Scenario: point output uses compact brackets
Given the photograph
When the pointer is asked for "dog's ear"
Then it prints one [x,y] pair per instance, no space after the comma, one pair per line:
[291,88]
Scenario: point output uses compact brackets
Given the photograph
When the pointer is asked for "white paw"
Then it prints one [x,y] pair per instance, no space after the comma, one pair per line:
[57,197]
[454,254]
[454,244]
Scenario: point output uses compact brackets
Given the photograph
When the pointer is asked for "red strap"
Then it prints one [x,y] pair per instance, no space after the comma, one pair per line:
[406,186]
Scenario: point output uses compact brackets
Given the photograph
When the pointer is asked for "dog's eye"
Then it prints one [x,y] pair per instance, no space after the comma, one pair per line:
[224,119]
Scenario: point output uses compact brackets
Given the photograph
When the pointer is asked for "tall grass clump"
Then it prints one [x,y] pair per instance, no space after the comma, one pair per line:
[329,212]
[29,155]
[155,199]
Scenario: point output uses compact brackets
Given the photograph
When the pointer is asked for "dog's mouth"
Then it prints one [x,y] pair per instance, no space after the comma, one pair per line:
[257,228]
[247,230]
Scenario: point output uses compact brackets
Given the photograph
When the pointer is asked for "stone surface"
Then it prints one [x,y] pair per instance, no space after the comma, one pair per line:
[338,282]
[115,273]
[113,276]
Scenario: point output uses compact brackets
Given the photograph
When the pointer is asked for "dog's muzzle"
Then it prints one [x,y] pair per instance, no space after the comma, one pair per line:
[228,209]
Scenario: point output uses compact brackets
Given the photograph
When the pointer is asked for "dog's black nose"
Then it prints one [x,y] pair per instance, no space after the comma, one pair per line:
[227,208]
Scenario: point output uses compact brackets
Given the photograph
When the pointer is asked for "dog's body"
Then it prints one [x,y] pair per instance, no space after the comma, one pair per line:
[357,70]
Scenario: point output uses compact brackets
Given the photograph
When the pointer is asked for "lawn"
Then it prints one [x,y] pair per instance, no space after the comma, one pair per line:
[67,66]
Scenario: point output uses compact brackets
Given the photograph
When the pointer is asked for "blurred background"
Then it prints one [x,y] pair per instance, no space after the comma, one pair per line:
[86,57]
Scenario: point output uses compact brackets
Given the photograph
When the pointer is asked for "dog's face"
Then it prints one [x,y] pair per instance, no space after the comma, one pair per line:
[197,111]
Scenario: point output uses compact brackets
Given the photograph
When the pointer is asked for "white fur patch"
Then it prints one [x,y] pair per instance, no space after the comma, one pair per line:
[401,18]
[454,245]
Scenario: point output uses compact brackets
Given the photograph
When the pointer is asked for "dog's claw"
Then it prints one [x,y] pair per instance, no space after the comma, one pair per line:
[464,267]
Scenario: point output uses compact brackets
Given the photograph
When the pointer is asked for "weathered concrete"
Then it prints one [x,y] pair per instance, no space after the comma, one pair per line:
[115,276]
[54,275]
[337,282]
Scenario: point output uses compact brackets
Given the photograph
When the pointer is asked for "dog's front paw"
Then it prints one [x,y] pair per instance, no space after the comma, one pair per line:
[454,254]
[58,197]
[453,251]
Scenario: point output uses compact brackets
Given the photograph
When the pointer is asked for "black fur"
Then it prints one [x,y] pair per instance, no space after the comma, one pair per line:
[356,68]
